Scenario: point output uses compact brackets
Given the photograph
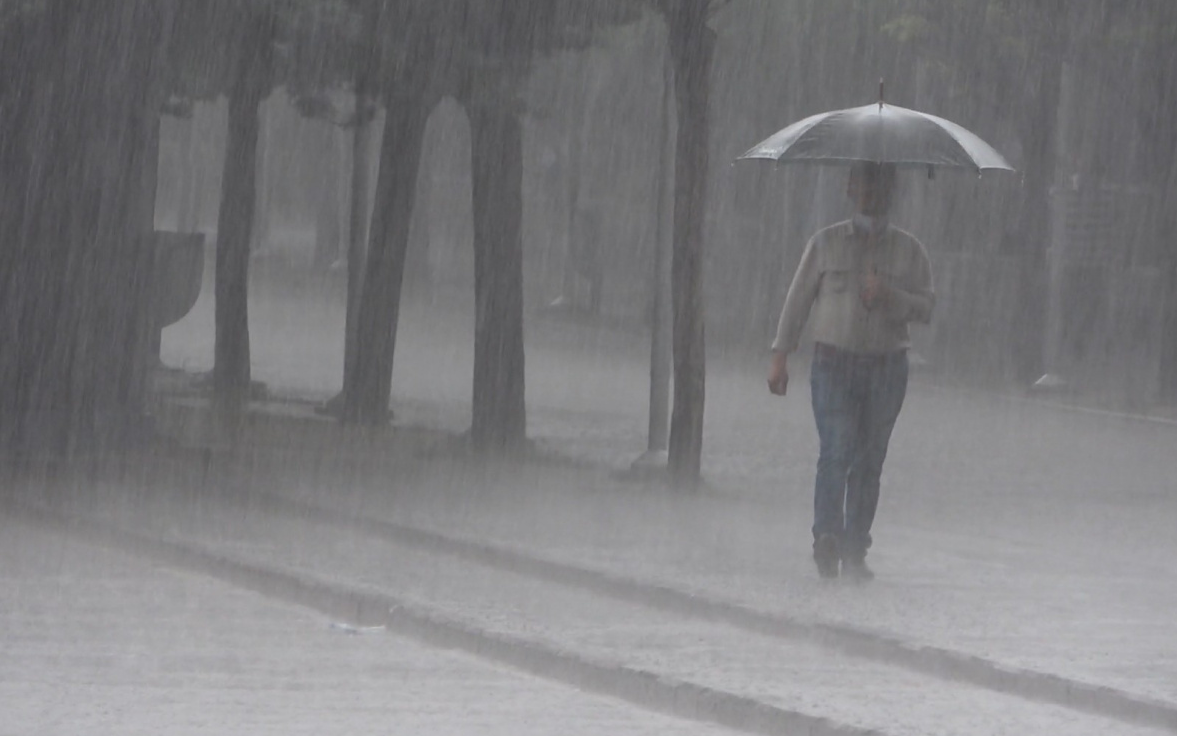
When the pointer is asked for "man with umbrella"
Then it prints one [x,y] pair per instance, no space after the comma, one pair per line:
[860,284]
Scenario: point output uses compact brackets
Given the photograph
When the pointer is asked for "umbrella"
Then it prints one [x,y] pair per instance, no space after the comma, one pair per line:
[883,133]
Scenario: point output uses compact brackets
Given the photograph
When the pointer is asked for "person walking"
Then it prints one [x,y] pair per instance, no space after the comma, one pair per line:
[859,285]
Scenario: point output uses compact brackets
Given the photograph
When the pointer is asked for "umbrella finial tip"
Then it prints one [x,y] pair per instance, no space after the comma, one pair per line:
[881,80]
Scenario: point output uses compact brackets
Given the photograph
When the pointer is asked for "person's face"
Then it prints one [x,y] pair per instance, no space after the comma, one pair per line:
[870,195]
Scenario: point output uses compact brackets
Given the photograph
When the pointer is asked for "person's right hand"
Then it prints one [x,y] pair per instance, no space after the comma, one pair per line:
[778,374]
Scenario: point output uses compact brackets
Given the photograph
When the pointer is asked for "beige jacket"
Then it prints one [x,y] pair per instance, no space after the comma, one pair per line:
[826,290]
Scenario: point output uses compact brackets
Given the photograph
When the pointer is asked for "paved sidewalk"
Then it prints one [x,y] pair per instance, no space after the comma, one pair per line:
[94,642]
[1028,596]
[1030,535]
[677,657]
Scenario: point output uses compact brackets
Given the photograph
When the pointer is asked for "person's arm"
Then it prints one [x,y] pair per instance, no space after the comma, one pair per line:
[915,303]
[799,301]
[778,374]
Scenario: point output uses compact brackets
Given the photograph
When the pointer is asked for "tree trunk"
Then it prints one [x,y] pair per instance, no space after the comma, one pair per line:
[359,213]
[661,373]
[74,338]
[231,370]
[357,238]
[692,44]
[368,389]
[1034,224]
[499,417]
[23,97]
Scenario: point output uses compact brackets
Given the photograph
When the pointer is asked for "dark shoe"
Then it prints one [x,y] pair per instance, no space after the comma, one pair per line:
[825,555]
[855,568]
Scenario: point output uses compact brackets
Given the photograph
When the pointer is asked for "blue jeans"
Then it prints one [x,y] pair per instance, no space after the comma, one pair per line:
[856,400]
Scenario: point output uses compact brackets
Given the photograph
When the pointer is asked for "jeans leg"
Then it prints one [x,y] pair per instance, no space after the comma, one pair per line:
[885,387]
[835,413]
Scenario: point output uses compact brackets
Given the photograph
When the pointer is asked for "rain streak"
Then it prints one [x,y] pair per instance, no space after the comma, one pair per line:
[588,367]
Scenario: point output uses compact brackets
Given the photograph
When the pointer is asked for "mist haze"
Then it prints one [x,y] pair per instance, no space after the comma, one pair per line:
[399,366]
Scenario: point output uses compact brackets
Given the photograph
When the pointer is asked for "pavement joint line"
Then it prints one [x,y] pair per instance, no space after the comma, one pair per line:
[642,688]
[938,662]
[1053,405]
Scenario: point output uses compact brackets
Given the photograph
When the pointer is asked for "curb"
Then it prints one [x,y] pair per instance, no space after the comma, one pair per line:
[935,661]
[639,687]
[1046,403]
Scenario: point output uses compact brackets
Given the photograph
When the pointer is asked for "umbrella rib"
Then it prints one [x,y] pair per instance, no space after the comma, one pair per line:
[955,131]
[795,131]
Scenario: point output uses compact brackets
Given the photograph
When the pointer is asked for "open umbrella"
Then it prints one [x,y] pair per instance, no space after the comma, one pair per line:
[882,133]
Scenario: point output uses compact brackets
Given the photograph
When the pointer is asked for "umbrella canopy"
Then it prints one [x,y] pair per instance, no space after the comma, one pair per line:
[883,133]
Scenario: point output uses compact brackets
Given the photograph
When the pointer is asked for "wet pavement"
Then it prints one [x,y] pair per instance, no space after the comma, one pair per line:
[94,641]
[1016,541]
[1008,527]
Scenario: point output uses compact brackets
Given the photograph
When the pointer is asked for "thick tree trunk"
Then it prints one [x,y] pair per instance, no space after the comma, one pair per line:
[367,390]
[692,45]
[74,335]
[359,212]
[21,98]
[231,369]
[499,416]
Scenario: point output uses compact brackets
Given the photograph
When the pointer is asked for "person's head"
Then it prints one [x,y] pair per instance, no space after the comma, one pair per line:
[871,187]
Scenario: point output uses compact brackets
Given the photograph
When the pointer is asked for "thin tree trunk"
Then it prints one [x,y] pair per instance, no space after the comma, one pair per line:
[692,45]
[499,416]
[231,370]
[661,370]
[357,243]
[1034,224]
[367,394]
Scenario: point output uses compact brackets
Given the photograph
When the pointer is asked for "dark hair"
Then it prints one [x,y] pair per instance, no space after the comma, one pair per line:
[874,173]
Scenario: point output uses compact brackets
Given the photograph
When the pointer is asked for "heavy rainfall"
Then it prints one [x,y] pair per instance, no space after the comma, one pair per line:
[462,366]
